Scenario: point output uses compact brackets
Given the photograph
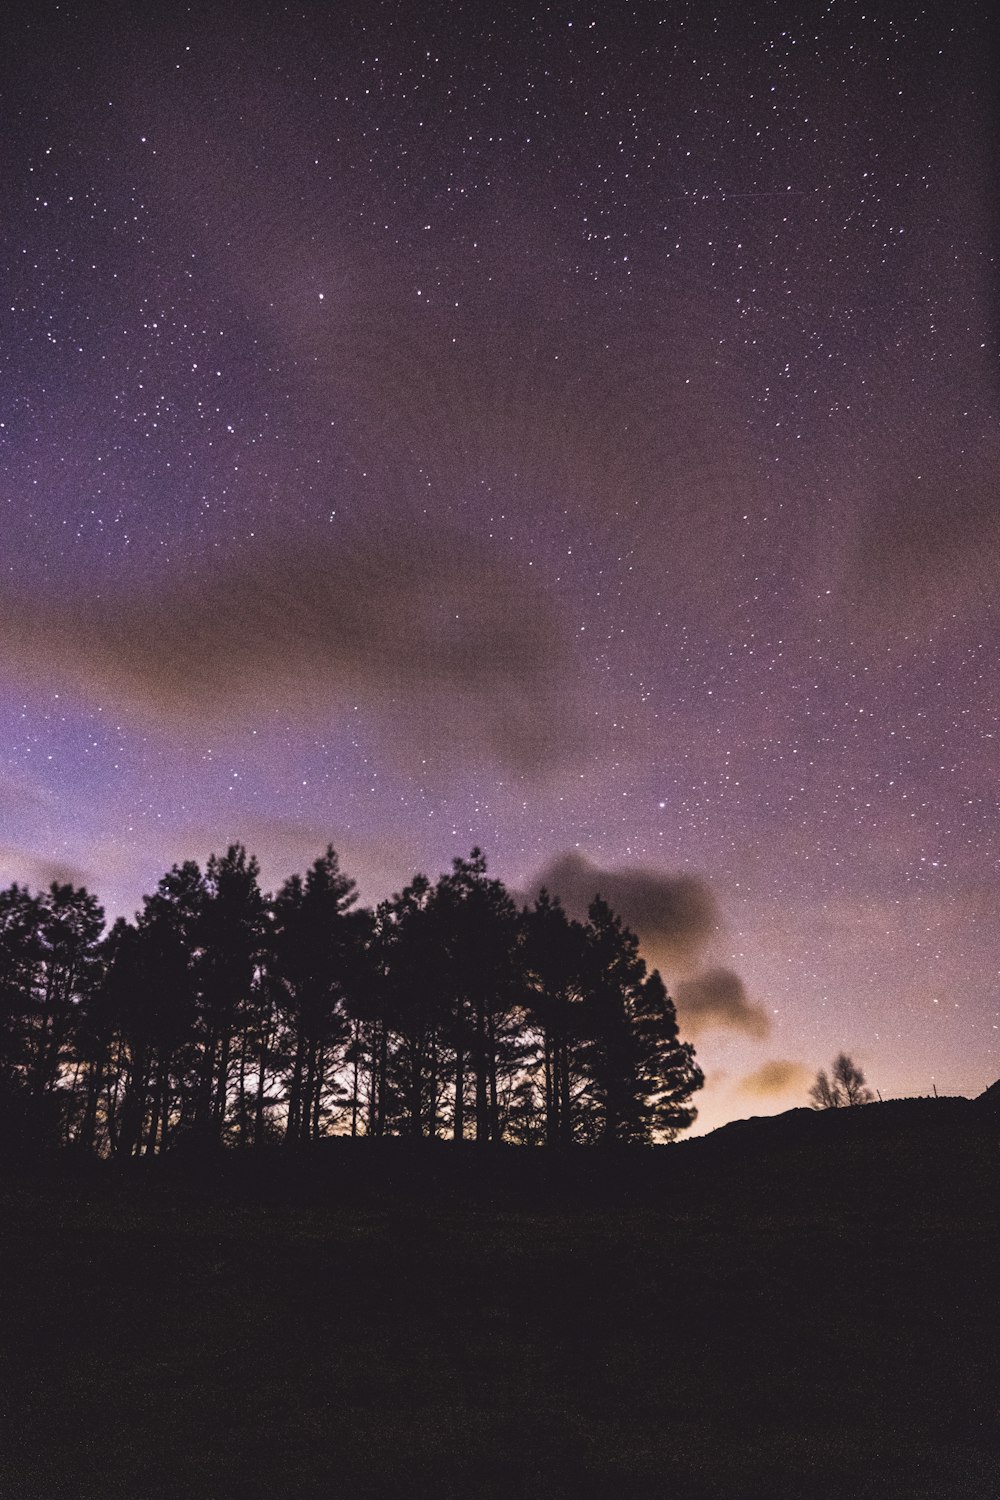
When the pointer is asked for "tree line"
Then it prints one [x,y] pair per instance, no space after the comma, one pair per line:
[224,1016]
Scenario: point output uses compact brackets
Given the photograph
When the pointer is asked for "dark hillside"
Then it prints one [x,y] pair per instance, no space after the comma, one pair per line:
[926,1154]
[797,1306]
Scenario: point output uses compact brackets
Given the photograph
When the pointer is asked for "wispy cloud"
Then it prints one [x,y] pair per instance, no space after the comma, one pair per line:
[37,870]
[458,657]
[776,1076]
[717,999]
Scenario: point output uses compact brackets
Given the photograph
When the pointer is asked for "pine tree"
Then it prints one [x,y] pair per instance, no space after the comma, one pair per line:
[670,1074]
[20,957]
[555,952]
[314,941]
[641,1076]
[231,936]
[69,932]
[414,987]
[482,941]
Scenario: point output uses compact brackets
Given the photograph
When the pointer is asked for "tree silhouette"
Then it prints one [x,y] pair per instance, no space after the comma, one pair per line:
[555,959]
[640,1075]
[94,1035]
[482,945]
[415,974]
[670,1074]
[313,941]
[220,1015]
[611,1051]
[20,955]
[153,991]
[68,933]
[846,1087]
[231,937]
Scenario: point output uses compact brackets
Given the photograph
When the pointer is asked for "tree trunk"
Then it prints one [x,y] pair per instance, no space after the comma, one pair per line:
[258,1109]
[134,1104]
[113,1085]
[70,1102]
[154,1115]
[458,1127]
[318,1093]
[415,1091]
[163,1100]
[40,1063]
[241,1093]
[221,1088]
[88,1125]
[205,1096]
[295,1090]
[306,1107]
[357,1078]
[373,1080]
[383,1069]
[491,1060]
[565,1104]
[433,1121]
[482,1098]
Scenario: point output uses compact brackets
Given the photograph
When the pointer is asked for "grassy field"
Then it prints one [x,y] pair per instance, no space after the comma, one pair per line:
[688,1325]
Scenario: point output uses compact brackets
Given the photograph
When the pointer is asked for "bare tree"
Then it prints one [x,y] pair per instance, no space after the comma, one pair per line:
[849,1077]
[846,1087]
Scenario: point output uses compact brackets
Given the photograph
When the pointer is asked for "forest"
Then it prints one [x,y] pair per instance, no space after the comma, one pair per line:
[222,1016]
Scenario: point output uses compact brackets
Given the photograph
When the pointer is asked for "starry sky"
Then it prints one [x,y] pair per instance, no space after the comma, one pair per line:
[566,429]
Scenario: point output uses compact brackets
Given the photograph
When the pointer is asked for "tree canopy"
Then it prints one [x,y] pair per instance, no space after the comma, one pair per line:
[224,1015]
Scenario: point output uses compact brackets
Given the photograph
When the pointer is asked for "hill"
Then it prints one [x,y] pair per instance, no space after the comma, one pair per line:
[799,1305]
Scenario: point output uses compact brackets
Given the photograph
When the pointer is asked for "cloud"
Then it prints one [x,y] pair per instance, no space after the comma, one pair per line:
[925,549]
[36,870]
[20,794]
[443,642]
[717,1000]
[674,915]
[776,1076]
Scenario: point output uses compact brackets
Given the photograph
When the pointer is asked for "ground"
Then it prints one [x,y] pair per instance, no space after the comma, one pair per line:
[797,1316]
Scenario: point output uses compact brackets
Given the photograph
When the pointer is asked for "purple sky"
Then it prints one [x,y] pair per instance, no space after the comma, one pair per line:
[572,432]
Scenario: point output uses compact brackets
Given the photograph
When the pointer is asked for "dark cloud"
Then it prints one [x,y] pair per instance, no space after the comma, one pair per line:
[459,657]
[36,870]
[674,915]
[717,1000]
[776,1076]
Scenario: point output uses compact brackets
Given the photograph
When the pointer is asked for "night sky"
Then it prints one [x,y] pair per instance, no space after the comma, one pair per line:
[569,430]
